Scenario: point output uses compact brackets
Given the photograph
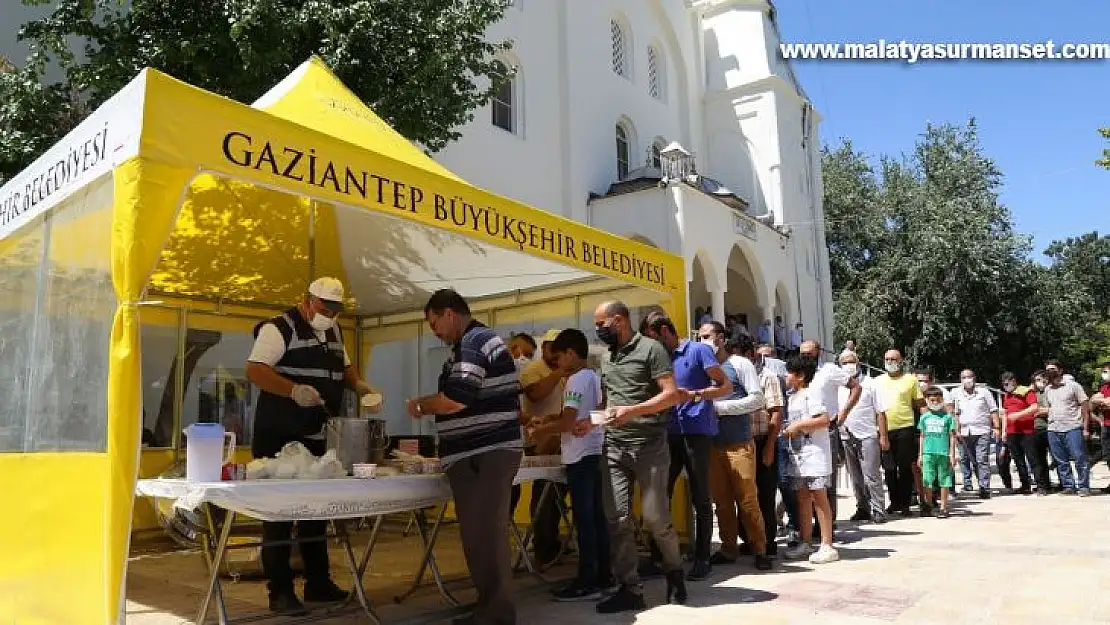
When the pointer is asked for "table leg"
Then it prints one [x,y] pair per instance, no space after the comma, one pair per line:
[429,561]
[364,562]
[356,572]
[569,542]
[522,541]
[214,576]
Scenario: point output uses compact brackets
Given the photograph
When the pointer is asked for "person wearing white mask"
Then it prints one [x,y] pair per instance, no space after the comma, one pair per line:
[302,370]
[863,431]
[977,418]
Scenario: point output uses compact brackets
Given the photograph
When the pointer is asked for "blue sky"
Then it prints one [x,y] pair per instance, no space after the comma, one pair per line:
[1037,119]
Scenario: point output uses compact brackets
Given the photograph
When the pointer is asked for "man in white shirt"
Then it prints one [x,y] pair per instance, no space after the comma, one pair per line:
[826,385]
[977,419]
[861,431]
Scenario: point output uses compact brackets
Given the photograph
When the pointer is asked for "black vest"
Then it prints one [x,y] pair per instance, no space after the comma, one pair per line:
[279,420]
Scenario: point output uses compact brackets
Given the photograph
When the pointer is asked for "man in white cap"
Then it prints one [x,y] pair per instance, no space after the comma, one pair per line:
[302,370]
[543,383]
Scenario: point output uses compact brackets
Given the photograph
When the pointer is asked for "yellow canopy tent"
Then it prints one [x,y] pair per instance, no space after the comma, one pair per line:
[194,197]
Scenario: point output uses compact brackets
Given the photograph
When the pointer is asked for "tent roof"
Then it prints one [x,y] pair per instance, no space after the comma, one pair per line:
[308,182]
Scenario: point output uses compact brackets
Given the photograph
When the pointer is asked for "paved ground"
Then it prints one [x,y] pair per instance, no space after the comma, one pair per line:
[1011,560]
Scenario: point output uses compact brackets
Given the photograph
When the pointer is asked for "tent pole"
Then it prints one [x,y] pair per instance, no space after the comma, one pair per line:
[37,322]
[311,240]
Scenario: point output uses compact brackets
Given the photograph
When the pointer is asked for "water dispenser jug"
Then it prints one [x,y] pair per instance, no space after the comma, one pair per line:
[204,451]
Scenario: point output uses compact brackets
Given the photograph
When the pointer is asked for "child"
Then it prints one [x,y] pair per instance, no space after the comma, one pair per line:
[938,448]
[581,450]
[807,436]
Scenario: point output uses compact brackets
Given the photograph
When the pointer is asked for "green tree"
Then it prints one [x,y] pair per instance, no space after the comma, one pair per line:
[1105,160]
[422,65]
[930,263]
[1083,263]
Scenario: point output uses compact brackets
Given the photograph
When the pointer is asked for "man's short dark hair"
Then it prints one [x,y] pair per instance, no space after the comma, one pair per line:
[523,336]
[660,321]
[1040,373]
[934,391]
[1053,363]
[1007,376]
[718,327]
[743,344]
[803,366]
[926,371]
[571,340]
[447,299]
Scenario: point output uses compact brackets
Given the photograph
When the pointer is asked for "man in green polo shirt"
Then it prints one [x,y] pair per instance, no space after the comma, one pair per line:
[640,389]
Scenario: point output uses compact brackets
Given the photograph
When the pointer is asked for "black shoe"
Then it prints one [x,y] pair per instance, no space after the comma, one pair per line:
[905,511]
[861,515]
[719,558]
[969,489]
[326,592]
[699,571]
[1106,490]
[1025,490]
[984,493]
[577,592]
[676,588]
[649,569]
[762,563]
[287,604]
[891,509]
[942,514]
[608,584]
[926,511]
[624,600]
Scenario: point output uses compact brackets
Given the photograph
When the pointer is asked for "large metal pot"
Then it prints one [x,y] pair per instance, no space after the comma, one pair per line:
[357,440]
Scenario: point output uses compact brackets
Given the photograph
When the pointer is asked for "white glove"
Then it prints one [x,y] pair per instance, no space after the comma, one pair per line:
[306,396]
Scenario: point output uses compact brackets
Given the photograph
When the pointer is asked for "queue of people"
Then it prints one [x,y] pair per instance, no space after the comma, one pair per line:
[746,427]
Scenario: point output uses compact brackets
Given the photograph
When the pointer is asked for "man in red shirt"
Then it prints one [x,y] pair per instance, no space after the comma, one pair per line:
[1100,410]
[1019,408]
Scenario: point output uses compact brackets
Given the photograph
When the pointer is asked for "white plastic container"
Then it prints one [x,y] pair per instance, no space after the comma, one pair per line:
[204,451]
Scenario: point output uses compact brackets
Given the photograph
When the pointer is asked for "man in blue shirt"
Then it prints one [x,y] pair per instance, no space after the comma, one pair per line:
[700,380]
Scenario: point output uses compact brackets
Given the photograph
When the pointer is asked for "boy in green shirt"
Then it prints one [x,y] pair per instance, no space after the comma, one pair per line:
[938,448]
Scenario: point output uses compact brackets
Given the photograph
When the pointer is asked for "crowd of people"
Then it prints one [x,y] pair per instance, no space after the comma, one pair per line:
[748,424]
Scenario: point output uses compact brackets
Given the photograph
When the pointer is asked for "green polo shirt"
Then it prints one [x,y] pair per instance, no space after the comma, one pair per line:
[630,375]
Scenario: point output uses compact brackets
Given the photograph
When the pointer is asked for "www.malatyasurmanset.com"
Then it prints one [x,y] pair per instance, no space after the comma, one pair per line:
[910,52]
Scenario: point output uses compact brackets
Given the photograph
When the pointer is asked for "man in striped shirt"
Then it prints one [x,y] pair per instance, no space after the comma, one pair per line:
[477,413]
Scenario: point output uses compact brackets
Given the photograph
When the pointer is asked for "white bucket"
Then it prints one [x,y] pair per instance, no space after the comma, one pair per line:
[204,451]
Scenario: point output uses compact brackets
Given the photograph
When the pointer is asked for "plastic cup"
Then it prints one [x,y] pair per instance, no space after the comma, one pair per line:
[599,417]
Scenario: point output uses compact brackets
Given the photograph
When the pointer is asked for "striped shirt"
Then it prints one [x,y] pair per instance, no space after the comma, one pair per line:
[771,385]
[481,375]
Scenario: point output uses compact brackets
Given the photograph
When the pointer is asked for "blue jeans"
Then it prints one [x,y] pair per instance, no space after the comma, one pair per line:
[1068,447]
[786,485]
[976,456]
[584,484]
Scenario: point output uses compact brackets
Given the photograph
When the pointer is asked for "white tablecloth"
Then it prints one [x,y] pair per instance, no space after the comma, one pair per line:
[344,498]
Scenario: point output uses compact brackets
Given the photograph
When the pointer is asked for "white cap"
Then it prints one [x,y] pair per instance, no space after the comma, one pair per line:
[329,291]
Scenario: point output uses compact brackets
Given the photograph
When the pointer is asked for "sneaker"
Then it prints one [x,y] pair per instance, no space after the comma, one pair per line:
[1106,490]
[968,488]
[906,512]
[576,592]
[799,551]
[719,558]
[326,592]
[287,604]
[824,555]
[762,563]
[1069,491]
[624,600]
[1083,492]
[878,519]
[984,493]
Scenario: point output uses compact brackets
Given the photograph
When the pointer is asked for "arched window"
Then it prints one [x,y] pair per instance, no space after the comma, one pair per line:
[623,150]
[656,73]
[503,105]
[620,48]
[656,148]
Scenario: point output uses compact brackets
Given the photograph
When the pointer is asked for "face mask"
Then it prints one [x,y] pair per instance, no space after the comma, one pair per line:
[1106,376]
[935,406]
[922,385]
[712,343]
[1009,388]
[523,361]
[321,323]
[1039,385]
[969,383]
[893,367]
[850,368]
[607,335]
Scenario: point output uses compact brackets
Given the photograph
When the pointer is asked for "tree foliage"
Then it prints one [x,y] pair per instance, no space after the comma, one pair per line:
[925,259]
[422,65]
[1105,160]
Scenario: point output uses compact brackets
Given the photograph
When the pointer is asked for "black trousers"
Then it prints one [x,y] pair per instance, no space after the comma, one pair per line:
[1040,460]
[314,554]
[691,452]
[898,465]
[1020,449]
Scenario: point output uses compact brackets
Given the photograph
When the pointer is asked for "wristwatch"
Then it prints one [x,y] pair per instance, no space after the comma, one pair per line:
[697,396]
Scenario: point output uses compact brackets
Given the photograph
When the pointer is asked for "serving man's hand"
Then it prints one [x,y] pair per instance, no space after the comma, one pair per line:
[306,396]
